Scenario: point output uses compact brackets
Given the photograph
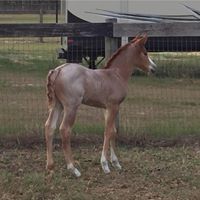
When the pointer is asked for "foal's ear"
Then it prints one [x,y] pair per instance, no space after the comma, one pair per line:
[137,37]
[142,41]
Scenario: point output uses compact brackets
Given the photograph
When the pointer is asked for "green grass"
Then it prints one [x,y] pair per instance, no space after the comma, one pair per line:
[29,18]
[178,65]
[161,107]
[33,57]
[95,128]
[175,65]
[174,128]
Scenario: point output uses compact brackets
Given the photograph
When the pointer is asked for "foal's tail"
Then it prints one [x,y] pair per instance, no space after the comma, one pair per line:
[51,77]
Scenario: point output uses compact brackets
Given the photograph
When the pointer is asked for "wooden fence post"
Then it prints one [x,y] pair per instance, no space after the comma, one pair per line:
[41,22]
[111,45]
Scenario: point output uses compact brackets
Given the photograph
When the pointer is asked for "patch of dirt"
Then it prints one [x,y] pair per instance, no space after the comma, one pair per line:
[32,140]
[148,173]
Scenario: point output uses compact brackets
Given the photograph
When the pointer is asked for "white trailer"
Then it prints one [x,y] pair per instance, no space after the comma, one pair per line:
[126,11]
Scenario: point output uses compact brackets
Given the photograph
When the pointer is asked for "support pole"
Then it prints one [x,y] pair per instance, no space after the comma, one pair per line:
[41,21]
[56,11]
[111,45]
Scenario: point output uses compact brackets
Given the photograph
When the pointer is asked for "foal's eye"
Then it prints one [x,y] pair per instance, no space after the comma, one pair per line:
[145,53]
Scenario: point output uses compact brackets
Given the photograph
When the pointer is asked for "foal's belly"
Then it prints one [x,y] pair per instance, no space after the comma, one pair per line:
[103,101]
[94,103]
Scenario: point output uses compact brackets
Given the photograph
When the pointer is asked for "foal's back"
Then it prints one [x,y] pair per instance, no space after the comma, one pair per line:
[91,87]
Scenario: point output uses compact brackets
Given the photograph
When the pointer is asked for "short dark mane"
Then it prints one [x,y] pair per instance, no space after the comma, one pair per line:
[108,64]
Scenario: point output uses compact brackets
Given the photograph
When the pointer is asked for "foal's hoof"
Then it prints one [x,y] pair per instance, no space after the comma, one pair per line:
[116,165]
[105,167]
[50,167]
[76,172]
[106,170]
[73,170]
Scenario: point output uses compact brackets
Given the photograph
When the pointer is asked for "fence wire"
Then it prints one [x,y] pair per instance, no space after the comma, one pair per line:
[30,6]
[165,104]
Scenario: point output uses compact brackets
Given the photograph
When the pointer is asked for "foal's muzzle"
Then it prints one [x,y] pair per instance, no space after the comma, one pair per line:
[152,70]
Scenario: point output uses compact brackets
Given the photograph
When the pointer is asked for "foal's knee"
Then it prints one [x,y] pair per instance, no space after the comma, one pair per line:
[49,130]
[50,125]
[47,125]
[113,134]
[65,134]
[110,135]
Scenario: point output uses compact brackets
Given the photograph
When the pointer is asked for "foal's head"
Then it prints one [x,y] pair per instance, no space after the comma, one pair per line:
[141,58]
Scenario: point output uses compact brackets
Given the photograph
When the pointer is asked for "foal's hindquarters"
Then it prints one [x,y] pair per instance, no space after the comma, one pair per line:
[65,131]
[65,95]
[61,99]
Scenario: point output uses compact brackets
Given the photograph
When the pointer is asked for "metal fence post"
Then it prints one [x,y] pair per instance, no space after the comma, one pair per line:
[111,45]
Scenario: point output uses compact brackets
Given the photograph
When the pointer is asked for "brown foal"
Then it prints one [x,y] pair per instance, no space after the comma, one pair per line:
[70,85]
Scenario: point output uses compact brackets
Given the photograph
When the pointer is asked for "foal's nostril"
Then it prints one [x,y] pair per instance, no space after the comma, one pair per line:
[153,70]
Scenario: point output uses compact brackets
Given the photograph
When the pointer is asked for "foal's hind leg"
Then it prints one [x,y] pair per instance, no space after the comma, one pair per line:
[65,131]
[50,127]
[109,139]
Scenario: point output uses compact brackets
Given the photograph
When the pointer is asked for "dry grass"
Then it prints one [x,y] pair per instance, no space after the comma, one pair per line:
[163,173]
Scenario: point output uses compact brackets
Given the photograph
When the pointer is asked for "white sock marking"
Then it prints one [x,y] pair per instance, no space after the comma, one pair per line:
[73,170]
[114,159]
[104,164]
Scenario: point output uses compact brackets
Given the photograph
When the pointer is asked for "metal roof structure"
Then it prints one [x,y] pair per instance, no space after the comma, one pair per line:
[193,17]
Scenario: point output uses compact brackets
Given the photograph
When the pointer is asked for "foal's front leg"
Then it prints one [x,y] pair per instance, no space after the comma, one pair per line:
[109,139]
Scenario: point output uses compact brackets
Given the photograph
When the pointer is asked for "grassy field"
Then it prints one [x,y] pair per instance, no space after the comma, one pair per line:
[150,173]
[29,18]
[161,110]
[162,106]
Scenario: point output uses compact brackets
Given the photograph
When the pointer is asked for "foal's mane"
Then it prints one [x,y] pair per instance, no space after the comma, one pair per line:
[108,64]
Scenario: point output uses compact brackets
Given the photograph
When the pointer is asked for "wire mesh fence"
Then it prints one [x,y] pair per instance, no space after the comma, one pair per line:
[23,65]
[165,104]
[31,11]
[31,6]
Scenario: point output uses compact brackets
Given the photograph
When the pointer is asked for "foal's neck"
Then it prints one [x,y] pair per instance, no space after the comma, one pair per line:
[122,64]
